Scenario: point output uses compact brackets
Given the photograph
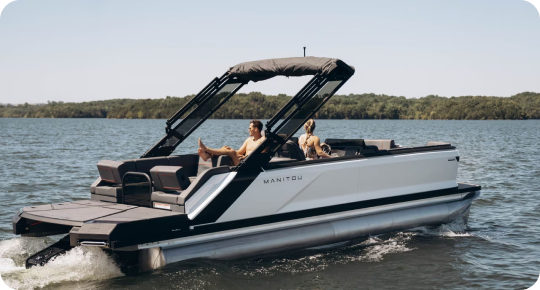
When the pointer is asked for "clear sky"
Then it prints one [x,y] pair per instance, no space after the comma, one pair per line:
[83,50]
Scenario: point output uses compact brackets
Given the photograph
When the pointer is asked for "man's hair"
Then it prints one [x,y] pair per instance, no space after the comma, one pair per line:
[257,124]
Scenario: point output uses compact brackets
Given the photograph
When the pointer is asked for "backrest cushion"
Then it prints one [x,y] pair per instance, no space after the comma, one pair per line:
[113,171]
[351,151]
[436,143]
[381,143]
[337,143]
[291,150]
[167,178]
[223,160]
[145,164]
[190,162]
[369,149]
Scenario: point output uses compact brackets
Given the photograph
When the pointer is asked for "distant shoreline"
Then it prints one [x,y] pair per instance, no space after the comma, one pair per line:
[256,105]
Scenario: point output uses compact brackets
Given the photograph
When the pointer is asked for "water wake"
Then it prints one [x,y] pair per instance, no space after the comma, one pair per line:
[372,249]
[457,228]
[376,247]
[368,250]
[78,264]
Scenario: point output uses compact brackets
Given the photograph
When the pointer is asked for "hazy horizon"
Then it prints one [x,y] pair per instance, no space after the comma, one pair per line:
[99,100]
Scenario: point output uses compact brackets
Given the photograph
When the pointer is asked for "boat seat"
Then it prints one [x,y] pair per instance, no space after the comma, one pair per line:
[179,197]
[94,185]
[113,171]
[144,165]
[104,191]
[165,197]
[346,147]
[169,178]
[369,149]
[112,191]
[189,162]
[215,161]
[381,143]
[277,159]
[223,160]
[338,143]
[436,143]
[350,151]
[291,150]
[351,147]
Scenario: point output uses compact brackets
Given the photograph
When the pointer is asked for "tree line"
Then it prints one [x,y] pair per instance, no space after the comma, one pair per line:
[257,105]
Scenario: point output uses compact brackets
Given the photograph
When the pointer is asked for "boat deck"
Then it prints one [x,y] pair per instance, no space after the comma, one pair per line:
[76,213]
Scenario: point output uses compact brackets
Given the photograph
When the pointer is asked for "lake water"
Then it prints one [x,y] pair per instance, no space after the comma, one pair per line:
[54,160]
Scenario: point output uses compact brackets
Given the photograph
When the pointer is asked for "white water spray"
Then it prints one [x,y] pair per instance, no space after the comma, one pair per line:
[78,264]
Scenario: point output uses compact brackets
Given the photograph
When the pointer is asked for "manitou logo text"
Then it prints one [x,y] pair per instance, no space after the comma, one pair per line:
[283,179]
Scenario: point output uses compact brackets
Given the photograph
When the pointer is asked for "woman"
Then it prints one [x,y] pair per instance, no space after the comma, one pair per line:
[311,144]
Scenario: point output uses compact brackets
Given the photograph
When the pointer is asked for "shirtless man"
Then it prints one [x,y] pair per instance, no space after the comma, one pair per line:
[251,143]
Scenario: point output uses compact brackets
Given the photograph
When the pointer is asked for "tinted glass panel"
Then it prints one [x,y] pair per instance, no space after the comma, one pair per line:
[300,117]
[199,113]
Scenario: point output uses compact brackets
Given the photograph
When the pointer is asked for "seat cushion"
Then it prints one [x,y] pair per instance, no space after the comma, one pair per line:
[113,191]
[381,143]
[165,197]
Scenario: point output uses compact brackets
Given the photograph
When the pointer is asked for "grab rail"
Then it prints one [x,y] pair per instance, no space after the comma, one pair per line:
[93,244]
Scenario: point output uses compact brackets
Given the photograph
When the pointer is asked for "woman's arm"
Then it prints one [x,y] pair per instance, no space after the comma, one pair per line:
[317,146]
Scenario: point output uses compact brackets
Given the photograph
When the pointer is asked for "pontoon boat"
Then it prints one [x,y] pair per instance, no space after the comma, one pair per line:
[165,208]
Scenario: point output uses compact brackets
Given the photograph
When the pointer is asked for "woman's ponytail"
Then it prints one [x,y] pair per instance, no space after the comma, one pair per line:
[309,126]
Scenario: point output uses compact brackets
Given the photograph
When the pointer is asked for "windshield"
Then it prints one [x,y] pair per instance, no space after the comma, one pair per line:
[201,113]
[300,117]
[194,114]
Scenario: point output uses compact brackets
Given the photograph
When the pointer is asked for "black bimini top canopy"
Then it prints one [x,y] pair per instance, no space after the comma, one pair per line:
[290,67]
[329,75]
